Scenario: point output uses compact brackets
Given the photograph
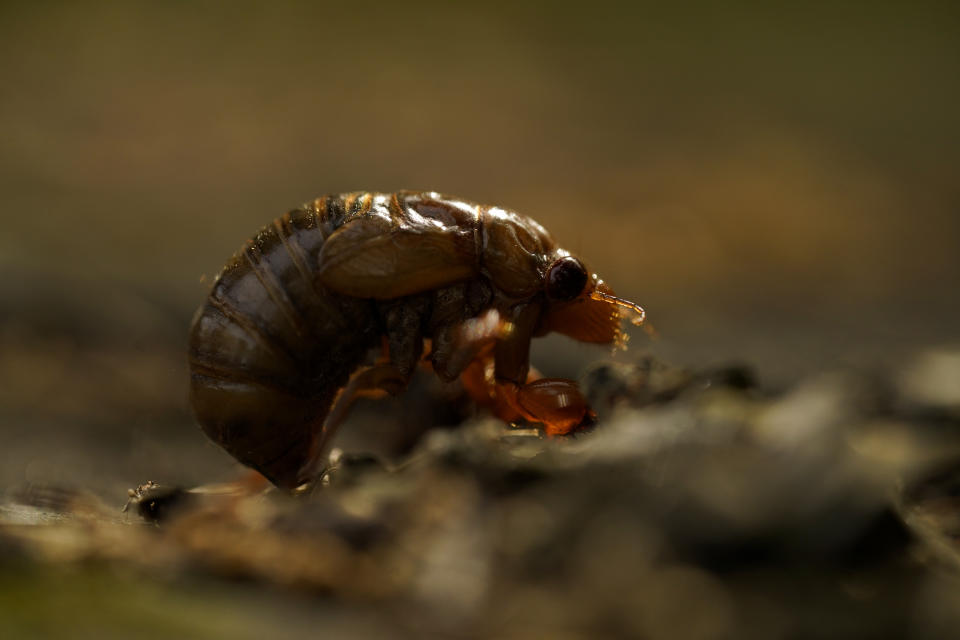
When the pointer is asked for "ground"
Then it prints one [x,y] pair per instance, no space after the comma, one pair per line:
[701,506]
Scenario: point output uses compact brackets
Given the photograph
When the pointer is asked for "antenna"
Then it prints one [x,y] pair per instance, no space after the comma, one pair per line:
[638,315]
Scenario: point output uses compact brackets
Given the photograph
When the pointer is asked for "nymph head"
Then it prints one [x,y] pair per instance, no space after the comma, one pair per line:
[580,305]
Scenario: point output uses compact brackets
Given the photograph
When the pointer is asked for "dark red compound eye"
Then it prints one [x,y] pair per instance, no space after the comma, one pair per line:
[566,279]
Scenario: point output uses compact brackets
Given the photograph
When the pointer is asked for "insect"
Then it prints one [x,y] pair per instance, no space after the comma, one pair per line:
[153,501]
[280,348]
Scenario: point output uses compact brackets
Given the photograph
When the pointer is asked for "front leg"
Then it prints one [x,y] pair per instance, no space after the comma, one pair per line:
[557,403]
[491,354]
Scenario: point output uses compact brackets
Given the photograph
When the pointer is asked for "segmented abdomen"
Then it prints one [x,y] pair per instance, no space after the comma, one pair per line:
[271,347]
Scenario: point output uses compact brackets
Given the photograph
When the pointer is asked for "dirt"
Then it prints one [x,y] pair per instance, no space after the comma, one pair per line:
[700,506]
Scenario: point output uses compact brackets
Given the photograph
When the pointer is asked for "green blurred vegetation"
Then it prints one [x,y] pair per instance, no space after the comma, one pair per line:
[49,601]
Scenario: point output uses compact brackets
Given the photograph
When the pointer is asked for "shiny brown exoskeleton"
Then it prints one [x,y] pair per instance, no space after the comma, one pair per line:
[280,348]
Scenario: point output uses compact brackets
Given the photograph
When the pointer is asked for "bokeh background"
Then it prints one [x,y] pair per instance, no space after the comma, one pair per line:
[776,185]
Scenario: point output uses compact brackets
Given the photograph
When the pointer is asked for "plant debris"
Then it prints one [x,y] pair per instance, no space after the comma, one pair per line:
[700,506]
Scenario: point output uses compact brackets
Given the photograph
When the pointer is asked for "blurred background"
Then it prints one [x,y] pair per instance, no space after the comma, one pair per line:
[777,186]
